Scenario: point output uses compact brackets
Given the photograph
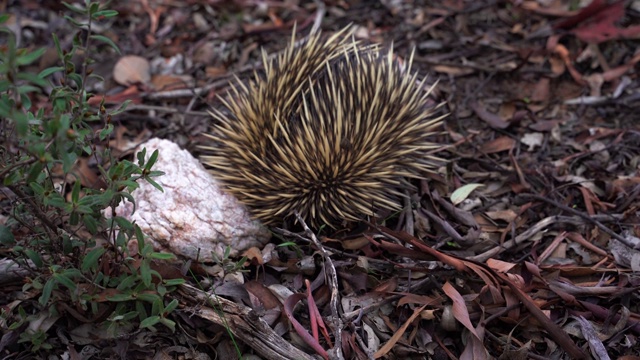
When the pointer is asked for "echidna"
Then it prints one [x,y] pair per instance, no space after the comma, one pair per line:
[332,129]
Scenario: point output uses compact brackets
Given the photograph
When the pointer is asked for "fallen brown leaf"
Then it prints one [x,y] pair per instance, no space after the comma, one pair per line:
[132,69]
[398,334]
[502,143]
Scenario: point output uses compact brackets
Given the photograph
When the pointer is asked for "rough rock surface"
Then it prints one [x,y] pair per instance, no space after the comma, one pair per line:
[193,213]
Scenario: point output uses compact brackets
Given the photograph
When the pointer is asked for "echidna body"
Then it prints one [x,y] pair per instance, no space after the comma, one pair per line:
[332,129]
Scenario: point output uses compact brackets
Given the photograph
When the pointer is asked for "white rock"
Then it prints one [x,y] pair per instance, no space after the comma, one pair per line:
[193,212]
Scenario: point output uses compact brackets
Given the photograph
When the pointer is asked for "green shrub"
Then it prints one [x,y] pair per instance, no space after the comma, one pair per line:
[58,218]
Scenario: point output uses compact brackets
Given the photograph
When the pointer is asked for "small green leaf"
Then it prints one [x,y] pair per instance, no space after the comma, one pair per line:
[75,9]
[72,273]
[154,184]
[155,173]
[105,13]
[26,100]
[105,132]
[25,89]
[48,71]
[130,184]
[127,283]
[30,57]
[16,325]
[77,39]
[141,309]
[123,223]
[74,219]
[174,282]
[12,178]
[56,200]
[65,280]
[141,155]
[4,86]
[107,41]
[68,160]
[162,256]
[140,238]
[35,257]
[121,108]
[148,297]
[93,8]
[91,224]
[97,77]
[121,297]
[34,172]
[6,236]
[56,42]
[77,79]
[169,323]
[81,209]
[288,243]
[89,200]
[146,250]
[145,273]
[90,260]
[121,239]
[46,292]
[130,315]
[149,322]
[152,160]
[33,78]
[157,307]
[75,193]
[171,306]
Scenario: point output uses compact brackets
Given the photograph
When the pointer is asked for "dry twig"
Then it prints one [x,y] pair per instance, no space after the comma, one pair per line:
[332,281]
[243,323]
